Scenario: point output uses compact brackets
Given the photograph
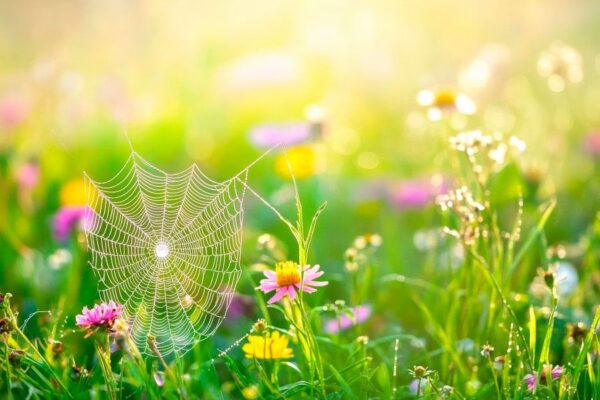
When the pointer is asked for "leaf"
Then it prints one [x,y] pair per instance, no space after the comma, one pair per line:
[506,185]
[532,331]
[340,379]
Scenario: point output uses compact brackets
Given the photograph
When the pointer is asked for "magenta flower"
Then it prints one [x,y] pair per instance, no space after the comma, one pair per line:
[67,219]
[288,278]
[286,134]
[103,314]
[555,373]
[335,325]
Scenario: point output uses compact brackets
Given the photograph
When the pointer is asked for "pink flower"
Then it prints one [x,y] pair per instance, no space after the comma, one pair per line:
[555,373]
[417,193]
[28,175]
[67,219]
[289,277]
[13,110]
[103,314]
[361,314]
[591,143]
[269,135]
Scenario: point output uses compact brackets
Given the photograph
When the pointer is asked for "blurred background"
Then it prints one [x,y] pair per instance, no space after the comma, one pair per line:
[364,96]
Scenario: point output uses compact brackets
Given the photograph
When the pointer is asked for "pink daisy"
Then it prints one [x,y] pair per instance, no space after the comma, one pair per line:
[101,314]
[289,277]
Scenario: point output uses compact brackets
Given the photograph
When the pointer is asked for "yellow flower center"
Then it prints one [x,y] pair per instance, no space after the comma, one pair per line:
[287,273]
[445,98]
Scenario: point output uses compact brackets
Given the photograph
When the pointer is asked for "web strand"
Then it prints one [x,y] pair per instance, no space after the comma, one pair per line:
[167,247]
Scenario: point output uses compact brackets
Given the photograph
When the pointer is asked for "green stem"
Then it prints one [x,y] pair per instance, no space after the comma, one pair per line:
[8,381]
[15,326]
[495,377]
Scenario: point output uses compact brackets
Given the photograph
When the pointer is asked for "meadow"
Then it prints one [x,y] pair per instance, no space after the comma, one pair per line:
[303,200]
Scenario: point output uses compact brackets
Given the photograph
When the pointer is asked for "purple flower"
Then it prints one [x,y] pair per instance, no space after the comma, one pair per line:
[591,144]
[240,306]
[102,314]
[361,314]
[67,219]
[285,134]
[416,193]
[555,373]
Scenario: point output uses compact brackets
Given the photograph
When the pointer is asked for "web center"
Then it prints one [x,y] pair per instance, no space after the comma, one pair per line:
[161,250]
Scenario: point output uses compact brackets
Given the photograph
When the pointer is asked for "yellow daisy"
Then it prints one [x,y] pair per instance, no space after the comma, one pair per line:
[269,346]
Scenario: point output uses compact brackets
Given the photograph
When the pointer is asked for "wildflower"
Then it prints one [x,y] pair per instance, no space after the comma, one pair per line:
[13,110]
[487,350]
[417,193]
[495,146]
[288,277]
[441,102]
[268,346]
[359,315]
[446,390]
[159,378]
[467,209]
[103,314]
[560,64]
[419,372]
[250,392]
[259,326]
[73,193]
[499,363]
[370,240]
[67,219]
[591,144]
[351,256]
[240,306]
[362,340]
[287,134]
[576,333]
[59,258]
[555,373]
[304,161]
[28,176]
[562,277]
[266,241]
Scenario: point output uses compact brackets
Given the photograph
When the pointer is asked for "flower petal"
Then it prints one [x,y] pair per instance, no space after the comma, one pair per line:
[278,295]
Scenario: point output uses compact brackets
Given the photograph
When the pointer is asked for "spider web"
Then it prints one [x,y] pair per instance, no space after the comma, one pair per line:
[167,247]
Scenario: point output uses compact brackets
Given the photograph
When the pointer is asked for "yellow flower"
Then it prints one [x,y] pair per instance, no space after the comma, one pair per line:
[270,346]
[73,193]
[250,392]
[304,162]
